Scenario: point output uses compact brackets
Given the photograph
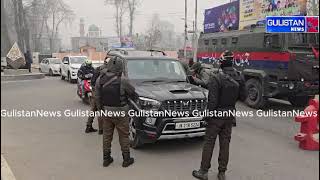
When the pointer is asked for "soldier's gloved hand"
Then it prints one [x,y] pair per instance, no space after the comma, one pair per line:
[99,107]
[234,123]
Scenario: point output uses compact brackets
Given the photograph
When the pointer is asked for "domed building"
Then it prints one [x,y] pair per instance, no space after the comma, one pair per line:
[94,31]
[93,38]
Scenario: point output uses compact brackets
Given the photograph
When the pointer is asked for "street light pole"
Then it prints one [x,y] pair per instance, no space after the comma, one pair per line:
[185,28]
[195,41]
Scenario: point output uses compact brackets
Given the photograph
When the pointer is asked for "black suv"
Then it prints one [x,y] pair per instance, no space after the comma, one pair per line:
[161,84]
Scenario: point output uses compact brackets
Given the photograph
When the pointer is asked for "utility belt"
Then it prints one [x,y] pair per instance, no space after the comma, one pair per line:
[120,108]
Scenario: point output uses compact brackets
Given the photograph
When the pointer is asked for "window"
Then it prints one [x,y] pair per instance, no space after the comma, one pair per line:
[66,60]
[275,40]
[234,40]
[206,42]
[224,41]
[154,69]
[214,41]
[272,41]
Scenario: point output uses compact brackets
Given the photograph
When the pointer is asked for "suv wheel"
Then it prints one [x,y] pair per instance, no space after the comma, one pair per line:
[50,72]
[135,141]
[300,101]
[69,77]
[62,77]
[254,94]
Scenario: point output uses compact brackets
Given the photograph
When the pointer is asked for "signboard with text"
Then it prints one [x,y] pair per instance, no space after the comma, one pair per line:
[292,24]
[252,11]
[222,18]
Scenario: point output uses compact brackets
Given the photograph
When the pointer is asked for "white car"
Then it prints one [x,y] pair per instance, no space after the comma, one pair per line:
[50,66]
[70,66]
[96,64]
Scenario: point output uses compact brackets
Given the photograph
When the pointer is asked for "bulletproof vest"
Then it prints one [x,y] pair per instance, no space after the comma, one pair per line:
[228,91]
[112,94]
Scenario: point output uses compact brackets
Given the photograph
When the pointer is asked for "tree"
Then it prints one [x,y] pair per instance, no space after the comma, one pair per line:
[60,13]
[21,25]
[38,15]
[132,6]
[121,8]
[153,35]
[5,38]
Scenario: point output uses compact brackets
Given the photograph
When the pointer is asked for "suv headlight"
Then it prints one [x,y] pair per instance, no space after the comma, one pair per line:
[149,104]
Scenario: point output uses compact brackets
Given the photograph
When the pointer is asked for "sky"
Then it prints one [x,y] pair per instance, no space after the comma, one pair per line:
[96,12]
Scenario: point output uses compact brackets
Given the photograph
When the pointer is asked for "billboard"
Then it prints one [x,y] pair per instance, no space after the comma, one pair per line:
[222,18]
[252,11]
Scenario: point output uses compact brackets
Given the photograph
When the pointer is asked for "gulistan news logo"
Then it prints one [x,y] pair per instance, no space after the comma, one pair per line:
[292,24]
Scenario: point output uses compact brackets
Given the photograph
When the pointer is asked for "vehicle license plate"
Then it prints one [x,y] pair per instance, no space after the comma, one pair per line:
[188,125]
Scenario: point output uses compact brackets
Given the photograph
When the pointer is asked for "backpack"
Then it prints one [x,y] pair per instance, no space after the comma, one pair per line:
[110,92]
[228,91]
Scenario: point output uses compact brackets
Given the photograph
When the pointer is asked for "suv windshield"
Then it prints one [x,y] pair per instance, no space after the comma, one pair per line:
[77,60]
[54,61]
[303,39]
[156,70]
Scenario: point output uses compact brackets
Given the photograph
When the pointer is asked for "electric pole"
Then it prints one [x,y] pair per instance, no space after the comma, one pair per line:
[185,27]
[195,41]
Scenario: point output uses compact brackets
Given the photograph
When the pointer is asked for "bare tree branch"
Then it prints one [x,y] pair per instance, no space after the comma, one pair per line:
[120,7]
[132,6]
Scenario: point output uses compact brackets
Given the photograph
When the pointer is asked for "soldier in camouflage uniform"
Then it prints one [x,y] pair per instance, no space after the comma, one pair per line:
[112,94]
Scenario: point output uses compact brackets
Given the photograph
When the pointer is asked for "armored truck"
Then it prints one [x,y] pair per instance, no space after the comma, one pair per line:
[275,65]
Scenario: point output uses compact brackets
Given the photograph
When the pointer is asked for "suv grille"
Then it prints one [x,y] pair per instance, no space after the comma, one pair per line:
[184,105]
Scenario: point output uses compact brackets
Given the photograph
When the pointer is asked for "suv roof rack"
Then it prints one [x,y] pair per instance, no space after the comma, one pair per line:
[154,50]
[122,51]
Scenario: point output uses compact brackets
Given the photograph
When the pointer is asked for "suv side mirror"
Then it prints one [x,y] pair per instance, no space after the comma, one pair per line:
[66,62]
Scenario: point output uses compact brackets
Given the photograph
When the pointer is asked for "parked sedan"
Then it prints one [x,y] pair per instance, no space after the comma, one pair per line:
[50,66]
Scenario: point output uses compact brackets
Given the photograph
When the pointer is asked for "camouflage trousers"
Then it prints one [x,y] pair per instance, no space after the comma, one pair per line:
[94,108]
[122,126]
[223,129]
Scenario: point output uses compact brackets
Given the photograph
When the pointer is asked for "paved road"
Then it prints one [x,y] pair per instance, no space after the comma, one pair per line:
[58,148]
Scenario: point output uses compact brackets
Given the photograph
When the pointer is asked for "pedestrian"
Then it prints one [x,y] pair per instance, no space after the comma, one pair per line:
[200,75]
[28,58]
[112,94]
[223,95]
[93,104]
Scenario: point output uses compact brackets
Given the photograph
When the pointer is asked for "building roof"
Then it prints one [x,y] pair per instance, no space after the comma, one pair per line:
[93,28]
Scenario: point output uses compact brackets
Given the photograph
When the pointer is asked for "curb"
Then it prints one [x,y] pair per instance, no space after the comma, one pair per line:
[22,77]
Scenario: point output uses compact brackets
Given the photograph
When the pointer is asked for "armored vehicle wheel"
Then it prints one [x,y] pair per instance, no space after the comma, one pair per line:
[254,98]
[300,101]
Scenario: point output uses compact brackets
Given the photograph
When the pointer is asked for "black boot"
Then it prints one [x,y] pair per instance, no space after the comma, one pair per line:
[200,174]
[221,176]
[90,129]
[234,123]
[100,132]
[127,160]
[107,159]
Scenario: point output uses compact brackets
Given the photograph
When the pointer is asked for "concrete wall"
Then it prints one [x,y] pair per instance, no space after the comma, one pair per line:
[94,56]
